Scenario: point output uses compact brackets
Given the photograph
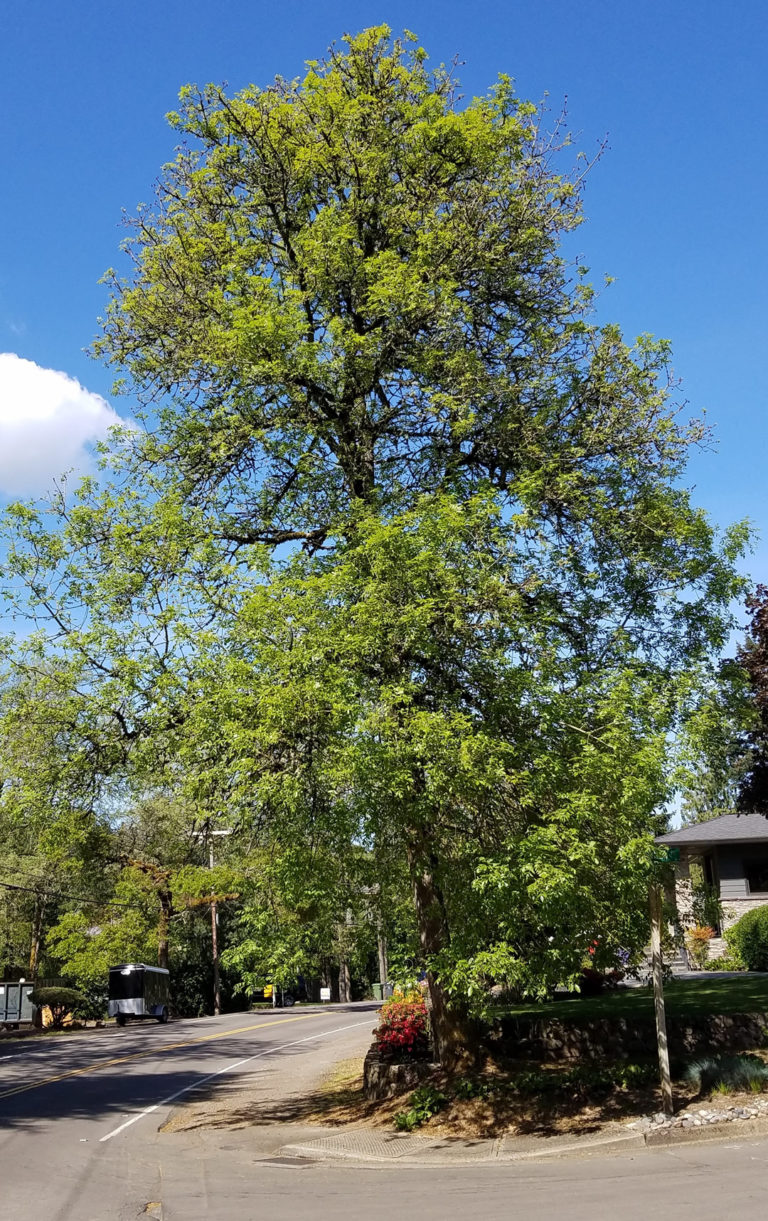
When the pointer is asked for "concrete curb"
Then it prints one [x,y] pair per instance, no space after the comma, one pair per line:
[372,1146]
[711,1131]
[31,1033]
[46,1032]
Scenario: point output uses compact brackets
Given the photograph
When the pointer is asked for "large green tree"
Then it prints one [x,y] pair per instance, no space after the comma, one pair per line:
[752,657]
[402,555]
[714,753]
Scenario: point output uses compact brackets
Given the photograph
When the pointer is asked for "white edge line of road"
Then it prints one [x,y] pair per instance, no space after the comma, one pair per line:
[228,1069]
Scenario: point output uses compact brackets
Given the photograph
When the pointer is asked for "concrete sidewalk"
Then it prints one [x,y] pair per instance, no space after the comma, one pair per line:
[374,1146]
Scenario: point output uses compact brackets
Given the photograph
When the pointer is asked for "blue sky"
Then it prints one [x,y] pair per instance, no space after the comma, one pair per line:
[676,207]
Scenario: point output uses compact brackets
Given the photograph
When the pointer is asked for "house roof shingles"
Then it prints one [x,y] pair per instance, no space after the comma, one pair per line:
[729,828]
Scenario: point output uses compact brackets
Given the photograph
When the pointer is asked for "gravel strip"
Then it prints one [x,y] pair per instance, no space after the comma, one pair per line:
[700,1118]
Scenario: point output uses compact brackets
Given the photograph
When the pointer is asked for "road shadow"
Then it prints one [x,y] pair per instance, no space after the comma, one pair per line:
[125,1077]
[334,1107]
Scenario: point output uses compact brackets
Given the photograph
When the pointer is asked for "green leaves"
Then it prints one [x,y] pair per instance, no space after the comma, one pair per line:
[318,272]
[401,573]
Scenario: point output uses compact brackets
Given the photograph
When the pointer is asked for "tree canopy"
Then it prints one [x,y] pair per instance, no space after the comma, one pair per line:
[753,724]
[399,565]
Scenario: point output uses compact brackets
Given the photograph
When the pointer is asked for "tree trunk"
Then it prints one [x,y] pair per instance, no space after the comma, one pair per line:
[382,949]
[161,880]
[326,977]
[163,928]
[345,983]
[37,936]
[451,1029]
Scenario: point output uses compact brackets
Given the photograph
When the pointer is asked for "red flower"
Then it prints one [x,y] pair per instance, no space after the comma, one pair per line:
[403,1028]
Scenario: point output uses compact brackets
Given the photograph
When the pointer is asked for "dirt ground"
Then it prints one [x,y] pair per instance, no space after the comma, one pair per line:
[329,1092]
[340,1101]
[333,1097]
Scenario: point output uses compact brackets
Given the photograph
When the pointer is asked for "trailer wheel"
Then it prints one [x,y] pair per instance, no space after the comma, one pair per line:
[121,1019]
[163,1015]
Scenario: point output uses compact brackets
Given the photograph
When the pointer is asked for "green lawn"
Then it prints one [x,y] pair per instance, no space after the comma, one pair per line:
[688,996]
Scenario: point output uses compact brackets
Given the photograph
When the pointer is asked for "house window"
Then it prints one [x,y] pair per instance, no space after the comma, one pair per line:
[756,873]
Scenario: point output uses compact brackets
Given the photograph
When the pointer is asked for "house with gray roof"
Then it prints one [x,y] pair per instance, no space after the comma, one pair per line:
[730,854]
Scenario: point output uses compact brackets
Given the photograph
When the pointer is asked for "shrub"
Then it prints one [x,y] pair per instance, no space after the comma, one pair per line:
[424,1102]
[722,1074]
[405,992]
[60,1001]
[593,982]
[403,1032]
[706,906]
[748,939]
[697,940]
[93,1003]
[726,962]
[470,1087]
[584,1079]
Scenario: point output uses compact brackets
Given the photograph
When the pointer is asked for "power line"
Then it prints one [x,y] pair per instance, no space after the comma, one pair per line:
[63,894]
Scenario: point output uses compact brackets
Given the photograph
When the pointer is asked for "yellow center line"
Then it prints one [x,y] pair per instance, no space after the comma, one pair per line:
[149,1051]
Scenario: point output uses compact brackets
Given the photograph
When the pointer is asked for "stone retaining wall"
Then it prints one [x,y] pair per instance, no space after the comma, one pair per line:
[627,1038]
[381,1079]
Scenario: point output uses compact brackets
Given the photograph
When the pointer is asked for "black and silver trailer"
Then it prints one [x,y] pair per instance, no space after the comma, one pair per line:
[138,991]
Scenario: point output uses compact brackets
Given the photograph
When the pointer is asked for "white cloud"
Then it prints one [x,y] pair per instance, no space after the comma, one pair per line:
[47,420]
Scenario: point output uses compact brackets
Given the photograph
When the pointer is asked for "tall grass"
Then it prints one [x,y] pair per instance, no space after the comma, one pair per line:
[726,1074]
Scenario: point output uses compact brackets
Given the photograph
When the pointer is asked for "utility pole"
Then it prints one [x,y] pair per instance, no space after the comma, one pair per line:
[658,999]
[207,834]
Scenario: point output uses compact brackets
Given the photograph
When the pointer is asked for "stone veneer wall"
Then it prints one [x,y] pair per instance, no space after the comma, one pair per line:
[684,887]
[734,909]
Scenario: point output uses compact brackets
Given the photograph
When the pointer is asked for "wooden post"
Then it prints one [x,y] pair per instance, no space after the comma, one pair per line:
[658,1000]
[214,935]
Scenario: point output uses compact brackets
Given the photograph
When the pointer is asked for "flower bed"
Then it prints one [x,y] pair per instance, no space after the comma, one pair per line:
[403,1031]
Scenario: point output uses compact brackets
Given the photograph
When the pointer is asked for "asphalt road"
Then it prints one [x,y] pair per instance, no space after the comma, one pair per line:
[80,1113]
[81,1140]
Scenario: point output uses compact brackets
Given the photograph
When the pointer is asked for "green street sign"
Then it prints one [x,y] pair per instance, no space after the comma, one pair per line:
[667,854]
